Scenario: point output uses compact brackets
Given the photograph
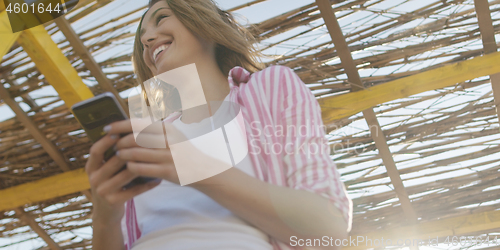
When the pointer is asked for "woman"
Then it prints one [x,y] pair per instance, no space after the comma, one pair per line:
[282,192]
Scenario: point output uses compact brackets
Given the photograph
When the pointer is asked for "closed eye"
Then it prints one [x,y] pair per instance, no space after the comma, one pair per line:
[158,19]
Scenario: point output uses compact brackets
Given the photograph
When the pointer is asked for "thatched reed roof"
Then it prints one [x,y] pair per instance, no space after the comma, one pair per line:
[443,141]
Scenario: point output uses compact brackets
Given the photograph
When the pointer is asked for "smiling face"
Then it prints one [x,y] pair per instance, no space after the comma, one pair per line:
[168,44]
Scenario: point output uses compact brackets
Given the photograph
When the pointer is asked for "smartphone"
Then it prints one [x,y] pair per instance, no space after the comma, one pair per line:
[95,113]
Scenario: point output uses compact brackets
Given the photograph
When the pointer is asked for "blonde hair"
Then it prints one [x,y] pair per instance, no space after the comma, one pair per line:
[234,43]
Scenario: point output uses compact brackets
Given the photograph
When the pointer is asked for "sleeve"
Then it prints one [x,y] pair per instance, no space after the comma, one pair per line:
[308,165]
[129,225]
[124,229]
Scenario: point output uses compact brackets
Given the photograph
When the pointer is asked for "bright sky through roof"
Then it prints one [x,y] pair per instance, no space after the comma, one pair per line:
[258,13]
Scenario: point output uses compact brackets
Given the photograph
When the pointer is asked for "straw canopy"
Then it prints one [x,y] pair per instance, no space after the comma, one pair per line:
[409,92]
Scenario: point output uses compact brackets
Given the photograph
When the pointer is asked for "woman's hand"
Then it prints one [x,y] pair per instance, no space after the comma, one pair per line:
[143,161]
[106,184]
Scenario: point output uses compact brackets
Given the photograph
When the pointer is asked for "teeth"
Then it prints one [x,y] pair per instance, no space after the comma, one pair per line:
[159,50]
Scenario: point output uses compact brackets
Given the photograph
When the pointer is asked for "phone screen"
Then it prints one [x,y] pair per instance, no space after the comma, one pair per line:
[96,114]
[93,116]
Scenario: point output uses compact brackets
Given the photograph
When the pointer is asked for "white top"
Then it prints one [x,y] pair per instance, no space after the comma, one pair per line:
[182,218]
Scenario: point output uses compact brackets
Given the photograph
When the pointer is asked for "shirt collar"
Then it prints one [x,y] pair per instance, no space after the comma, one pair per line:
[238,75]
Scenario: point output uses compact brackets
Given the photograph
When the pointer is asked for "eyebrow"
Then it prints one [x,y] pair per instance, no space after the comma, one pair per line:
[141,32]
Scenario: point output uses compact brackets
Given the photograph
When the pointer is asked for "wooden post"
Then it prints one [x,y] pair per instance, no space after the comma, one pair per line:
[489,43]
[376,133]
[34,131]
[88,59]
[56,68]
[26,218]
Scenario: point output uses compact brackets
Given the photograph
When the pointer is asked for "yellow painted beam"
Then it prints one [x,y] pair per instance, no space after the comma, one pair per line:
[77,180]
[8,38]
[466,225]
[45,189]
[52,63]
[337,107]
[87,58]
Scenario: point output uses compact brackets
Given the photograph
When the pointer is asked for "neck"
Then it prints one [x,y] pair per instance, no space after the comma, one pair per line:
[199,85]
[214,83]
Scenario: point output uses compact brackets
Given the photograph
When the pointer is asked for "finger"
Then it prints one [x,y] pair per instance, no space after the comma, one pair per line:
[129,193]
[125,126]
[164,171]
[146,155]
[145,140]
[96,153]
[119,127]
[108,169]
[115,183]
[127,141]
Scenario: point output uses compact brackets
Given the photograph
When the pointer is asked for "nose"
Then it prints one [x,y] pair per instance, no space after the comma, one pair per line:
[149,41]
[148,38]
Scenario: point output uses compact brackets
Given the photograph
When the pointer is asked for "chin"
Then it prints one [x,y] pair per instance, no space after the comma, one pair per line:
[164,67]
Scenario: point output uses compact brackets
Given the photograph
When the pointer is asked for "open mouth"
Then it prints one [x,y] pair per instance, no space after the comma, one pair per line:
[159,51]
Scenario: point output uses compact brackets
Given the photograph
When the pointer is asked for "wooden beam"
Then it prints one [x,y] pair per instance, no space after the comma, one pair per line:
[46,144]
[245,5]
[8,38]
[341,106]
[485,25]
[77,180]
[389,163]
[55,67]
[341,47]
[334,106]
[489,43]
[45,189]
[376,132]
[49,147]
[26,218]
[455,226]
[58,71]
[88,59]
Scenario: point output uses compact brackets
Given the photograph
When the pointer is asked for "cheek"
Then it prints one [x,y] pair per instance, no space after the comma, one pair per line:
[145,58]
[148,62]
[201,45]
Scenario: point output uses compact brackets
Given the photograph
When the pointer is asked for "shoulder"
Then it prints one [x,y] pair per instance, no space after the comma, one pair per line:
[280,81]
[276,70]
[273,78]
[275,86]
[274,73]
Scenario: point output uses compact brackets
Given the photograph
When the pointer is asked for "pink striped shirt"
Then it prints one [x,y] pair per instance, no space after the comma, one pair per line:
[286,140]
